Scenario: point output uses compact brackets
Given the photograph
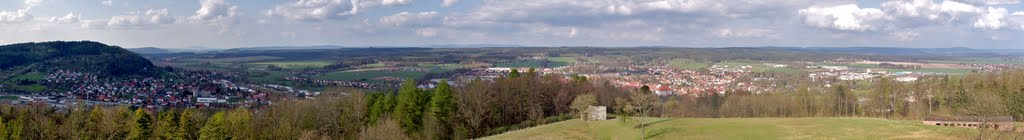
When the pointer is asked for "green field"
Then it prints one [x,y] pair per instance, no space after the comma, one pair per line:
[369,75]
[235,59]
[553,62]
[295,64]
[376,75]
[976,61]
[32,76]
[687,64]
[741,128]
[758,67]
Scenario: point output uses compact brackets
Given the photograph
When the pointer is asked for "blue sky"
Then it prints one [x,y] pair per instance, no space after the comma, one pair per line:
[612,23]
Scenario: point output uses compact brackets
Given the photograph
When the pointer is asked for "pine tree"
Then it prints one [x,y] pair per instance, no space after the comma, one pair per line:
[168,125]
[187,129]
[442,106]
[3,130]
[142,128]
[513,74]
[645,89]
[531,72]
[15,127]
[238,123]
[94,126]
[215,128]
[409,110]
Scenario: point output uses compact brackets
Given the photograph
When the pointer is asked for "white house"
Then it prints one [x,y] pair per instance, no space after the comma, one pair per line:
[663,90]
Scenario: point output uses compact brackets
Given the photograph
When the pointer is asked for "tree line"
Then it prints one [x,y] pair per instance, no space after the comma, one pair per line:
[483,107]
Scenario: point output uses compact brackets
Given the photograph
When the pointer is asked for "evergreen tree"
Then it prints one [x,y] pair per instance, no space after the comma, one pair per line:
[4,133]
[143,128]
[187,129]
[531,72]
[14,128]
[94,126]
[238,123]
[513,74]
[215,128]
[645,89]
[168,125]
[409,109]
[442,106]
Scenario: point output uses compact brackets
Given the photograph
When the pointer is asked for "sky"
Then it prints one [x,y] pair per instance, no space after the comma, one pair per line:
[995,24]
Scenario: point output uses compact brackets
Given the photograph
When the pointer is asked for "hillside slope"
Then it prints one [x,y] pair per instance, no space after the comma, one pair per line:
[742,128]
[23,66]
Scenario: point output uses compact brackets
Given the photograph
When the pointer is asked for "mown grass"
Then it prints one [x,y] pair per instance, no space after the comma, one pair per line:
[741,129]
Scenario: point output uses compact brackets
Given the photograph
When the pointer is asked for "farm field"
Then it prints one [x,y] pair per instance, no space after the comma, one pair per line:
[295,64]
[742,128]
[551,63]
[686,64]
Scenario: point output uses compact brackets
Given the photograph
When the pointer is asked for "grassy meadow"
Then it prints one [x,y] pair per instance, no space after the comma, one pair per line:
[743,128]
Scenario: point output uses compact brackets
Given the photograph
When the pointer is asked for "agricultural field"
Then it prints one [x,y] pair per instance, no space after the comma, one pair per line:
[976,61]
[760,67]
[744,128]
[379,75]
[687,64]
[546,63]
[295,64]
[235,59]
[34,79]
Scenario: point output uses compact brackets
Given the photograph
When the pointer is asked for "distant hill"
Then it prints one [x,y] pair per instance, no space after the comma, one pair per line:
[150,50]
[81,56]
[889,50]
[264,48]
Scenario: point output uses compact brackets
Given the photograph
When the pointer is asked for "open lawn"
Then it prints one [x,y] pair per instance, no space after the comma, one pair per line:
[741,128]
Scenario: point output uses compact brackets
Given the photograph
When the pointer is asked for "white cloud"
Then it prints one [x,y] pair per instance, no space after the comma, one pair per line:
[992,19]
[19,16]
[573,32]
[842,17]
[215,10]
[990,2]
[427,32]
[448,3]
[756,33]
[905,35]
[70,18]
[32,3]
[319,10]
[411,19]
[315,10]
[375,3]
[137,20]
[107,2]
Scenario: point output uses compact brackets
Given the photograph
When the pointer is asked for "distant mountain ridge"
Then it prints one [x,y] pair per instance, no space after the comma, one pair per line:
[81,56]
[150,50]
[886,50]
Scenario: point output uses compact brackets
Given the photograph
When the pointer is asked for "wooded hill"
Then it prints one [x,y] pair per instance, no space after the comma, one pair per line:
[82,56]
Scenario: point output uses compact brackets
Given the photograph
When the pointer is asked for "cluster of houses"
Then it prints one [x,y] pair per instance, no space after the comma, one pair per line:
[318,82]
[169,92]
[665,80]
